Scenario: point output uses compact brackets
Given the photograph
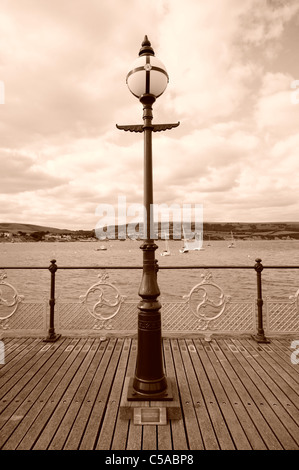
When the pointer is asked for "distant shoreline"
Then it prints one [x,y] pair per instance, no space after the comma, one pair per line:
[210,239]
[16,232]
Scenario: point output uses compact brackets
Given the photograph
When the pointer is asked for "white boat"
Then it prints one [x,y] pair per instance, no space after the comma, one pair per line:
[166,252]
[102,248]
[232,243]
[192,245]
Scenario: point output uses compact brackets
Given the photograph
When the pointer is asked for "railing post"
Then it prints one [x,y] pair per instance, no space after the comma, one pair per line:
[260,336]
[52,336]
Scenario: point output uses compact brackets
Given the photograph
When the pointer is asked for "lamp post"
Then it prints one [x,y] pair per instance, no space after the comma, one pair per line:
[147,80]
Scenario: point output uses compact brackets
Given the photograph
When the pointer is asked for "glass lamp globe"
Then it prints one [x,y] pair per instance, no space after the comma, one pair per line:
[147,74]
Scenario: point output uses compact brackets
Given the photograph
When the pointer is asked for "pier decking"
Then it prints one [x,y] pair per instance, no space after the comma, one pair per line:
[234,394]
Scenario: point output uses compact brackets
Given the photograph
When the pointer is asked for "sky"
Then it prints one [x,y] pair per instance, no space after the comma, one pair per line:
[233,85]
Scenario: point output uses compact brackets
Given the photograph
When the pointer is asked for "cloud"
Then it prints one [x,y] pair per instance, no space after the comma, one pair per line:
[274,110]
[265,21]
[64,66]
[20,173]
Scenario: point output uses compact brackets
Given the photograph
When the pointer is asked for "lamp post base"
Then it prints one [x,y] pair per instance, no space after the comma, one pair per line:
[260,338]
[166,395]
[154,411]
[52,338]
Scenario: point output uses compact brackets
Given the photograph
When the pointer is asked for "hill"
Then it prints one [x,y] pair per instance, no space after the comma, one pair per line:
[29,228]
[223,230]
[211,230]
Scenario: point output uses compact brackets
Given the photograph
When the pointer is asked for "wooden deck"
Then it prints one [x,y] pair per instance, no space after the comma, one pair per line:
[234,394]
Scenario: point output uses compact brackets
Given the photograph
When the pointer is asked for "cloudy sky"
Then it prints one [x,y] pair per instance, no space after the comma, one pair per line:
[234,87]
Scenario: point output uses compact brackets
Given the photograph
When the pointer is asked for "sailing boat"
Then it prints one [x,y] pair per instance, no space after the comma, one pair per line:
[193,245]
[165,252]
[232,243]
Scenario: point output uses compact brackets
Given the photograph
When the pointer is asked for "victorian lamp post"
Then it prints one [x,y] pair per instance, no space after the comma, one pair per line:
[147,80]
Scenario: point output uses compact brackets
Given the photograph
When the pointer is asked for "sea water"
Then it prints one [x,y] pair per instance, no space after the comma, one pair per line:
[239,284]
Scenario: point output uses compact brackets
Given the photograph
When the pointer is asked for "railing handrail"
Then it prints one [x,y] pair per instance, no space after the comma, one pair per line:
[160,267]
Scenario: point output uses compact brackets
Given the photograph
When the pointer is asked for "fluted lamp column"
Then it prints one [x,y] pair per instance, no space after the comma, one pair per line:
[147,80]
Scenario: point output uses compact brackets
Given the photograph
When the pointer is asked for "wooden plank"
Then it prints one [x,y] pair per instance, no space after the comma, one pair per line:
[284,351]
[163,433]
[220,427]
[231,383]
[207,431]
[11,349]
[190,419]
[66,395]
[283,368]
[108,428]
[237,432]
[134,437]
[119,439]
[164,441]
[16,369]
[45,406]
[39,396]
[93,426]
[149,437]
[262,395]
[134,441]
[78,428]
[281,379]
[252,401]
[120,436]
[164,437]
[44,440]
[177,428]
[13,414]
[280,396]
[95,353]
[29,379]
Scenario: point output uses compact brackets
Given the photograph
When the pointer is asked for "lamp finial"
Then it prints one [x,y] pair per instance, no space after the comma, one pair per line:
[146,48]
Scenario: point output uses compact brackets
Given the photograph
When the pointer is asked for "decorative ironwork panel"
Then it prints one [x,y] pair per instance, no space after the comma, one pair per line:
[205,309]
[207,301]
[103,300]
[215,311]
[76,318]
[9,298]
[179,317]
[30,318]
[283,316]
[103,309]
[98,310]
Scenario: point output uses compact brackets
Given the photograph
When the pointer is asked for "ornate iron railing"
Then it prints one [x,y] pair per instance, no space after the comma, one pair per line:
[102,309]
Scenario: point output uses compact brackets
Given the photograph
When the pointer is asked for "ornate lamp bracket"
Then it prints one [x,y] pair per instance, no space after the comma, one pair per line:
[140,127]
